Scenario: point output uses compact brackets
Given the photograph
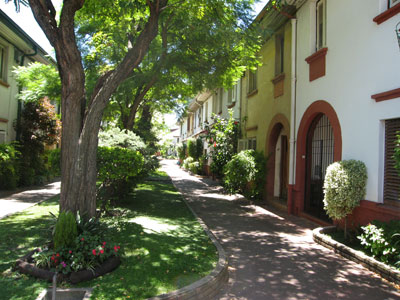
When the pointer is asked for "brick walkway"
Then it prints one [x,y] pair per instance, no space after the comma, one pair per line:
[12,203]
[271,254]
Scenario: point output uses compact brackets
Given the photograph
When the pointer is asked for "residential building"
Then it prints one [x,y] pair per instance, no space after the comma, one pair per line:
[266,105]
[347,103]
[16,49]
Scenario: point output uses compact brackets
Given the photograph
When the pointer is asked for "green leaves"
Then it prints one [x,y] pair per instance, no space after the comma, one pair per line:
[344,187]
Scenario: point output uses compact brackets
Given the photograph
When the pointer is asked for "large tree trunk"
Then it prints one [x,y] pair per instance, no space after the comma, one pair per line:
[80,118]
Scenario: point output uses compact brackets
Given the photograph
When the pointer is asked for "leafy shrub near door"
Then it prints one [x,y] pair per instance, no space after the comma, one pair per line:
[245,173]
[344,187]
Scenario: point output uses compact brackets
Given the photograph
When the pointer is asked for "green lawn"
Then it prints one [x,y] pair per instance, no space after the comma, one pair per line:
[164,247]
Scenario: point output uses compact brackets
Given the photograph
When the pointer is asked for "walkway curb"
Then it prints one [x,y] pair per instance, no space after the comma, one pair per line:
[387,272]
[209,286]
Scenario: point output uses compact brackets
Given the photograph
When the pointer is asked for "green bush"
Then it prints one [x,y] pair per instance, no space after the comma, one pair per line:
[245,173]
[194,167]
[382,240]
[118,170]
[181,149]
[54,162]
[199,148]
[116,137]
[9,166]
[191,148]
[222,136]
[344,187]
[187,161]
[65,231]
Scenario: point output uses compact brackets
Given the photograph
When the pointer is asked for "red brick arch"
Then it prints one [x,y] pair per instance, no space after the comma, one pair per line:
[296,196]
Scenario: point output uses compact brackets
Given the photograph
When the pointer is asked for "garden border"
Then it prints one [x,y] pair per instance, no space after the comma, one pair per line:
[387,272]
[210,285]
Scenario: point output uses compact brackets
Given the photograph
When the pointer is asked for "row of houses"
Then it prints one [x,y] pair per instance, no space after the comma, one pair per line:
[327,89]
[17,48]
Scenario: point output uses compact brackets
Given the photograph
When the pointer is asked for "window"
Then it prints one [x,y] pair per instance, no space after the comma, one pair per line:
[391,187]
[279,54]
[252,81]
[252,143]
[321,24]
[3,59]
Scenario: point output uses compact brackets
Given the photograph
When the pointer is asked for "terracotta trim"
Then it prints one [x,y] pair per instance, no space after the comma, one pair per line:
[252,128]
[252,93]
[321,52]
[278,78]
[387,95]
[3,120]
[3,83]
[232,105]
[387,14]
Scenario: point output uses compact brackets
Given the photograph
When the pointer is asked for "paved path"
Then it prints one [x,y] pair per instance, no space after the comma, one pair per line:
[10,204]
[271,254]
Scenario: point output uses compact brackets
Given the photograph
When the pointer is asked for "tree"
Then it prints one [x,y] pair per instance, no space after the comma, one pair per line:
[182,59]
[82,112]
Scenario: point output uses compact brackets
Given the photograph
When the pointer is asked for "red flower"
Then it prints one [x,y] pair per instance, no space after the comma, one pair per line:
[82,239]
[104,243]
[115,248]
[70,251]
[102,251]
[52,258]
[58,255]
[119,247]
[215,144]
[94,251]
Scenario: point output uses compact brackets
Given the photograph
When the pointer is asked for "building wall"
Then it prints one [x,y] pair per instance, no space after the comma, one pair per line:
[362,59]
[8,92]
[261,108]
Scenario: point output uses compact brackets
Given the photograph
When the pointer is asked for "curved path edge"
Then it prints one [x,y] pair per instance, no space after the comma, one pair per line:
[210,285]
[385,271]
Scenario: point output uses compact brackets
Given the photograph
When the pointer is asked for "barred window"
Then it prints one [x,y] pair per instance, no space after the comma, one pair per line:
[391,188]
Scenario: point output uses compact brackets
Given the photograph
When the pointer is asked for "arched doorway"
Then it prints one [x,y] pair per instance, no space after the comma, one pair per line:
[299,196]
[277,149]
[319,155]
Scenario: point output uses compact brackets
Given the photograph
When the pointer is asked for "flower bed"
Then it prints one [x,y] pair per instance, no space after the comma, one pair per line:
[27,266]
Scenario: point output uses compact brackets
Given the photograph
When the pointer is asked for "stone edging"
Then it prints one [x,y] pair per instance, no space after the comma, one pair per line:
[370,263]
[209,286]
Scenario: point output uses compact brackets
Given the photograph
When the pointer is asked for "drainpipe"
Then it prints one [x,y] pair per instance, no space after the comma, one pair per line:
[292,156]
[18,129]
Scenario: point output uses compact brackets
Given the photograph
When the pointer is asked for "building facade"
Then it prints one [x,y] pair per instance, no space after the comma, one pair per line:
[16,49]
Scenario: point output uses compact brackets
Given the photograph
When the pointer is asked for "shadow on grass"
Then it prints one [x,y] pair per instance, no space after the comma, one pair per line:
[20,233]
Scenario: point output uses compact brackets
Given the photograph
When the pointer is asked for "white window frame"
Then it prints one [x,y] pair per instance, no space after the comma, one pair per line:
[320,12]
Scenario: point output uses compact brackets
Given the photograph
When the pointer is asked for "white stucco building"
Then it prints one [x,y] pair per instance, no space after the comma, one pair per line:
[347,102]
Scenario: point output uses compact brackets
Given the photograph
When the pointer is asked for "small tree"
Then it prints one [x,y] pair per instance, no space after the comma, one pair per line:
[396,155]
[344,187]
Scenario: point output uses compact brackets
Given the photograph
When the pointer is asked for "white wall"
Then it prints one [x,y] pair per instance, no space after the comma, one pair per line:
[363,59]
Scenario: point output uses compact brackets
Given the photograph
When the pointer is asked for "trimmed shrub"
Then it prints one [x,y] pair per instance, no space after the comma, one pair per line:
[54,161]
[118,170]
[191,148]
[344,187]
[245,173]
[194,167]
[9,166]
[66,230]
[199,148]
[116,137]
[181,149]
